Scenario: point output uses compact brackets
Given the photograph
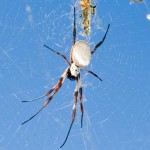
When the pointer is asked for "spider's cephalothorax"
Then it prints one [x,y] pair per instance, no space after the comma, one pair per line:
[80,56]
[73,72]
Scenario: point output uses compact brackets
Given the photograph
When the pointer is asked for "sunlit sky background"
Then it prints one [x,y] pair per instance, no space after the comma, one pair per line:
[117,110]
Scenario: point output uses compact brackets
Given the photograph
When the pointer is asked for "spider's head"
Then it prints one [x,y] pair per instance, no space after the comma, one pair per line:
[73,72]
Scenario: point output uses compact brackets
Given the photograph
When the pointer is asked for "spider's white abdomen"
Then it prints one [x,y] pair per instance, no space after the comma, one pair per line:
[74,70]
[81,53]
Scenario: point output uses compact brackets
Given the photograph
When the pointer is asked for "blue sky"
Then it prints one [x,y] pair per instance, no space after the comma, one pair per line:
[117,110]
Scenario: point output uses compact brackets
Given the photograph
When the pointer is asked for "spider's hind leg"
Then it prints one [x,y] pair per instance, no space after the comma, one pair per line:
[58,53]
[74,27]
[101,42]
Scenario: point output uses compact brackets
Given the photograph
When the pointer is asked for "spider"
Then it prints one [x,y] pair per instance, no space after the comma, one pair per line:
[80,56]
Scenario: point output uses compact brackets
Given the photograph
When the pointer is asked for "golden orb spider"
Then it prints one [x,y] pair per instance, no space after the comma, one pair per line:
[80,56]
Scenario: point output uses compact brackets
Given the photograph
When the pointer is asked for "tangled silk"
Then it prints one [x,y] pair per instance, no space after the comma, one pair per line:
[87,9]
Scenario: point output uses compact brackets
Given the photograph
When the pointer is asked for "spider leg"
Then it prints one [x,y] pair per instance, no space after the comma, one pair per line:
[92,74]
[74,31]
[45,104]
[57,87]
[34,99]
[49,92]
[74,27]
[101,42]
[46,94]
[81,103]
[58,53]
[73,112]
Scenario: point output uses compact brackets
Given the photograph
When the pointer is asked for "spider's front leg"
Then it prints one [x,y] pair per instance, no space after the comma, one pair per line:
[73,110]
[81,103]
[54,90]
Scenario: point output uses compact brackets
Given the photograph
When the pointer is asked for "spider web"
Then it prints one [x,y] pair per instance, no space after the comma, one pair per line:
[116,110]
